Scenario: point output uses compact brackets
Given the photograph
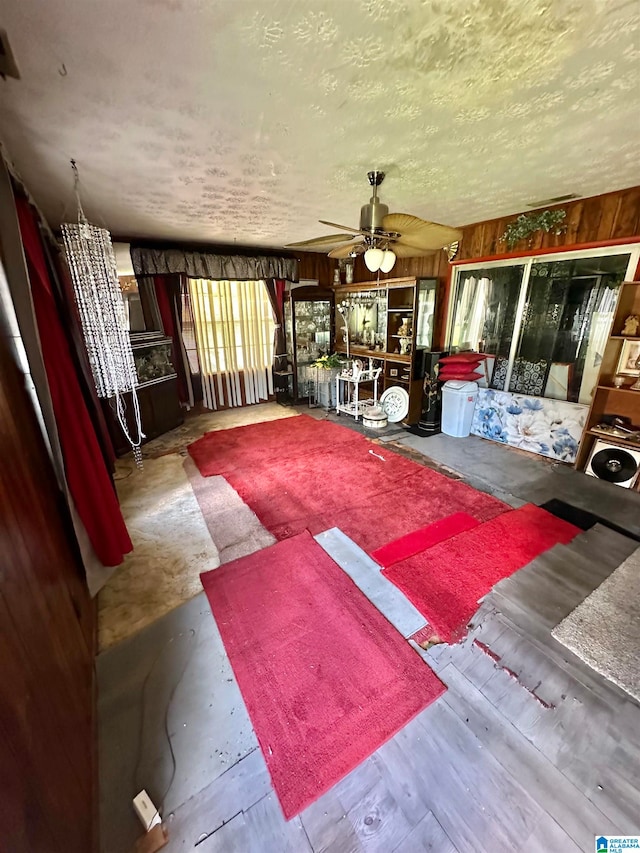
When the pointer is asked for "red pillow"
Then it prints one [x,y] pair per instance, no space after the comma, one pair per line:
[460,377]
[453,370]
[462,357]
[459,367]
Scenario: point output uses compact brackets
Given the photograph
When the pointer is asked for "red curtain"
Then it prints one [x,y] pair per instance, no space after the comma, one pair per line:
[167,289]
[87,475]
[275,289]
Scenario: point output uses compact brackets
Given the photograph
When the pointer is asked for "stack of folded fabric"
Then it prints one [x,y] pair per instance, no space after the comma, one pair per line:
[461,366]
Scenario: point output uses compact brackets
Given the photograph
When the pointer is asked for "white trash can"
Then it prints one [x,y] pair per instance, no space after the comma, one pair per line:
[458,403]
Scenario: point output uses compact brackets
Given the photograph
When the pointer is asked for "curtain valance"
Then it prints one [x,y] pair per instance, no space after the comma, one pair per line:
[154,261]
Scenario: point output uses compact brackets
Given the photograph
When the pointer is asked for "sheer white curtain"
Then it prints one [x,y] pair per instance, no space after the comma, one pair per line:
[470,312]
[234,329]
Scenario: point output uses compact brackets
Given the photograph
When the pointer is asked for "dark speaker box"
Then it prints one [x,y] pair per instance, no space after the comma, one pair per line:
[431,392]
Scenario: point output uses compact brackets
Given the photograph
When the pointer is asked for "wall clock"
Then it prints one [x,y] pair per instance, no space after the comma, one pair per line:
[395,402]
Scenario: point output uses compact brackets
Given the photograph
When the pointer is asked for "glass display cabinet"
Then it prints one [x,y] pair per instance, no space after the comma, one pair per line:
[426,294]
[309,333]
[361,320]
[394,322]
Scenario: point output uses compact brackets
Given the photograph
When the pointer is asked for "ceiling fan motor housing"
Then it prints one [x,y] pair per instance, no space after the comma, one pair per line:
[372,214]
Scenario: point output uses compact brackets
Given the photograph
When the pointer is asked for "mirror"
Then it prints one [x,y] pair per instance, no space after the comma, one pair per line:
[132,305]
[141,306]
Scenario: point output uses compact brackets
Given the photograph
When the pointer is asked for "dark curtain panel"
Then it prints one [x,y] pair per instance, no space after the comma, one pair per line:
[190,348]
[541,321]
[168,295]
[275,289]
[218,267]
[87,475]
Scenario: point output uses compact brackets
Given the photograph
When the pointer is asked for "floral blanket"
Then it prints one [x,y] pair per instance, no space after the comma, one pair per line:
[540,425]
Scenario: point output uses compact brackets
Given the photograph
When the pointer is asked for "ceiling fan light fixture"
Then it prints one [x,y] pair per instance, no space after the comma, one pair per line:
[373,259]
[388,260]
[410,236]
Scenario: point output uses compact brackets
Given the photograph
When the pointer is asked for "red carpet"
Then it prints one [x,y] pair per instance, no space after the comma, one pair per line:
[300,473]
[426,537]
[265,444]
[325,678]
[446,581]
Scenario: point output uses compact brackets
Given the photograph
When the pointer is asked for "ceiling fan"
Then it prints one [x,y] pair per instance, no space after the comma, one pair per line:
[384,236]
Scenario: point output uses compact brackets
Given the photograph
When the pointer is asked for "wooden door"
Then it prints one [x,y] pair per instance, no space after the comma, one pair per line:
[47,637]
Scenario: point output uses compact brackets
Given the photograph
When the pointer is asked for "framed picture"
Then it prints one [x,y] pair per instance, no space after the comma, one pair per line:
[629,354]
[393,371]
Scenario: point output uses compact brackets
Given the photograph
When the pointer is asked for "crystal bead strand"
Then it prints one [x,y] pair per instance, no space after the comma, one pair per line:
[100,303]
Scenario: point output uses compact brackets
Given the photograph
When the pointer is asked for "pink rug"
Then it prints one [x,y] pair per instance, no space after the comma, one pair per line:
[300,473]
[325,677]
[264,444]
[426,537]
[446,582]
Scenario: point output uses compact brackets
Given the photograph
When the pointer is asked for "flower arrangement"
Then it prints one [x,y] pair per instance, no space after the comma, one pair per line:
[328,362]
[528,223]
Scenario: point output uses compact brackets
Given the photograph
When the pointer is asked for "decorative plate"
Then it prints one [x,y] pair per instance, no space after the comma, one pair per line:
[395,402]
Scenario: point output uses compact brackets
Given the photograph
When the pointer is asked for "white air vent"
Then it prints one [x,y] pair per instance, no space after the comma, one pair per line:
[555,200]
[8,67]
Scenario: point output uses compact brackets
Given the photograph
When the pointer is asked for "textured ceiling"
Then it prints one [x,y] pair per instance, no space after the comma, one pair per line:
[224,120]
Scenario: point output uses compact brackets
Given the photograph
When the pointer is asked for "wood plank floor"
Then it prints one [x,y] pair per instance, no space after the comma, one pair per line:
[528,750]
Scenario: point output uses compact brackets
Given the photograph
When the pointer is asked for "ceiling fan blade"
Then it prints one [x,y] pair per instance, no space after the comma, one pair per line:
[329,240]
[345,228]
[401,250]
[347,250]
[418,233]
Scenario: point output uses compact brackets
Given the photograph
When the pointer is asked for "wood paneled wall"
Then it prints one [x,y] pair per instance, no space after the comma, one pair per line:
[47,638]
[317,266]
[612,216]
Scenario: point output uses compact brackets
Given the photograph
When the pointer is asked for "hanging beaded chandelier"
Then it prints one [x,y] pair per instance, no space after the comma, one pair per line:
[92,265]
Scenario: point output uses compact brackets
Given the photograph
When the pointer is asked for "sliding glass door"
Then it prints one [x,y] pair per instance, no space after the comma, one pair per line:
[568,309]
[541,321]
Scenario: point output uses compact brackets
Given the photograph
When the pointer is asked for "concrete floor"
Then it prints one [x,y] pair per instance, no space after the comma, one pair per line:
[508,473]
[172,720]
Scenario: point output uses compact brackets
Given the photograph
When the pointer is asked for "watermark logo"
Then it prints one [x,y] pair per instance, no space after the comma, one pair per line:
[617,843]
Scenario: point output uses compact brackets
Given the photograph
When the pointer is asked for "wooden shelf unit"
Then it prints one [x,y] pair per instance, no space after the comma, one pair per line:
[402,304]
[607,399]
[615,439]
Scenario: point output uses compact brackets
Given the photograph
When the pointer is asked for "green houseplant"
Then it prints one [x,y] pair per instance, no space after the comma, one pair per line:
[528,223]
[328,362]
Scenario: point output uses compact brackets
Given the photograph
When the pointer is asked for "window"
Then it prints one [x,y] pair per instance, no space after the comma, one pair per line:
[542,321]
[485,309]
[233,327]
